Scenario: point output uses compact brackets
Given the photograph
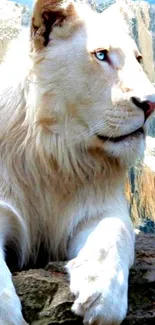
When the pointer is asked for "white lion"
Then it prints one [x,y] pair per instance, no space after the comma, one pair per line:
[74,105]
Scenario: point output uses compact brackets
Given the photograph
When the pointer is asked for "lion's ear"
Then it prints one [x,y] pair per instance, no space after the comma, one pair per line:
[46,15]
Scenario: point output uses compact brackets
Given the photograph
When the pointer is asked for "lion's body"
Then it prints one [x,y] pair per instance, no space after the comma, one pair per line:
[50,200]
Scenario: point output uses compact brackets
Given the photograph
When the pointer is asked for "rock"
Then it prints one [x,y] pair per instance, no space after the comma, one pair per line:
[142,283]
[46,298]
[142,12]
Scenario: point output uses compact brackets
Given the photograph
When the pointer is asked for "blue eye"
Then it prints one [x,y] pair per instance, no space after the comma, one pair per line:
[102,55]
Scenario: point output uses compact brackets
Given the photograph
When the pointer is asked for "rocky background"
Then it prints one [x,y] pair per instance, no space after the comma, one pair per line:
[45,292]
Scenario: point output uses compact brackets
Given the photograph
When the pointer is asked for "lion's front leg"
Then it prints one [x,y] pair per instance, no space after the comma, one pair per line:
[99,273]
[13,230]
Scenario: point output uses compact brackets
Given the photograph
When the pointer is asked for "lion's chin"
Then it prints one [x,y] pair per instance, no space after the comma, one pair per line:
[127,150]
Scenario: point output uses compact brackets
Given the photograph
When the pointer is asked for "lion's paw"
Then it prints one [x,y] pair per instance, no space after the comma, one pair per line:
[100,290]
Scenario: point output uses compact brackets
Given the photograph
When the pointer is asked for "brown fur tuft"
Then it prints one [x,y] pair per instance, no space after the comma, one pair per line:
[47,15]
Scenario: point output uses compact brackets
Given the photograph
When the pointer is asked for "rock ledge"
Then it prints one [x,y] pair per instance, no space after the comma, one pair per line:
[46,298]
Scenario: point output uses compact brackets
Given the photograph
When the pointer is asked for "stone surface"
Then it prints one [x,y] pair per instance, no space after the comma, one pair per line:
[142,283]
[46,298]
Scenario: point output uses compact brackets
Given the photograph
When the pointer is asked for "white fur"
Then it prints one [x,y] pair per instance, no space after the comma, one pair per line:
[60,185]
[10,306]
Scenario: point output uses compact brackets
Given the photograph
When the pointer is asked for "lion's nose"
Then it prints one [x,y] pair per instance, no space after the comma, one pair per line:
[147,106]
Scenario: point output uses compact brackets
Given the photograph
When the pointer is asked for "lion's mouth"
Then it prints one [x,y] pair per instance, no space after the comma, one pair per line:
[139,131]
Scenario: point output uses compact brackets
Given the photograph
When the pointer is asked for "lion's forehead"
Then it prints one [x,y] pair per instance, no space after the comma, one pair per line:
[102,36]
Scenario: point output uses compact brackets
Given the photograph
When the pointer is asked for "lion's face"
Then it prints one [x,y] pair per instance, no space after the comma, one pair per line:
[96,88]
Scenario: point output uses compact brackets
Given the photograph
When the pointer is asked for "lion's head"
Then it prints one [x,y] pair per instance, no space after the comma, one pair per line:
[91,90]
